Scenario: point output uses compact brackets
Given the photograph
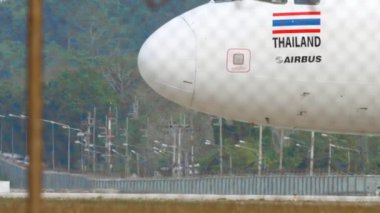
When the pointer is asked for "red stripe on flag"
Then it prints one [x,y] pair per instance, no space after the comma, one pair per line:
[296,14]
[296,31]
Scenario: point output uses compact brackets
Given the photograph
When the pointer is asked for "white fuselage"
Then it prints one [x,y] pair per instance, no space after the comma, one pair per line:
[292,66]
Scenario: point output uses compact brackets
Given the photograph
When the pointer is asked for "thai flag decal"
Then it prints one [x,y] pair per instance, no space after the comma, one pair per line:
[296,22]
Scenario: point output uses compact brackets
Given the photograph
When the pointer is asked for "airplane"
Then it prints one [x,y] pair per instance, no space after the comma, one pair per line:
[293,64]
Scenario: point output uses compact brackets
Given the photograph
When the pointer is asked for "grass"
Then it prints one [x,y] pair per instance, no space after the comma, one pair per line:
[144,206]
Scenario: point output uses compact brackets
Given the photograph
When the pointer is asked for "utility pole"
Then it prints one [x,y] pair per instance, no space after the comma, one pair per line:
[186,164]
[144,168]
[116,122]
[109,140]
[230,156]
[138,163]
[179,152]
[221,145]
[329,166]
[93,141]
[342,148]
[85,143]
[69,128]
[53,146]
[68,150]
[192,161]
[1,132]
[12,141]
[180,127]
[348,161]
[312,153]
[260,149]
[281,148]
[172,128]
[127,171]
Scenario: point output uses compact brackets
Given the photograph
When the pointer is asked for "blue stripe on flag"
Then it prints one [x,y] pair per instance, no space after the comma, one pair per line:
[296,22]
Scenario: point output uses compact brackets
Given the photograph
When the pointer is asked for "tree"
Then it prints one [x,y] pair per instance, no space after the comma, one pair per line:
[72,94]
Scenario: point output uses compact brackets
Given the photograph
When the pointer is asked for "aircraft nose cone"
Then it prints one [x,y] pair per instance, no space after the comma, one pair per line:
[167,61]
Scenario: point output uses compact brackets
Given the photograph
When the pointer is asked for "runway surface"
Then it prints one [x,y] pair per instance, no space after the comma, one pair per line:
[196,197]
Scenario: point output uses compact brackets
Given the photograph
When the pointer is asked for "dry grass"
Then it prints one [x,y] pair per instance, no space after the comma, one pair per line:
[142,206]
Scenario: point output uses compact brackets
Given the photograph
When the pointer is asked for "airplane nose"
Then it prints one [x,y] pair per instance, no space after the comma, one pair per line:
[167,61]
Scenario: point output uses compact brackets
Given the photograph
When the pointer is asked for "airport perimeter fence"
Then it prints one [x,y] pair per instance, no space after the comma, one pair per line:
[358,185]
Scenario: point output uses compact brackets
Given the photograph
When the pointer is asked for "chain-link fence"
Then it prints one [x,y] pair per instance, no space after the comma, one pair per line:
[291,64]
